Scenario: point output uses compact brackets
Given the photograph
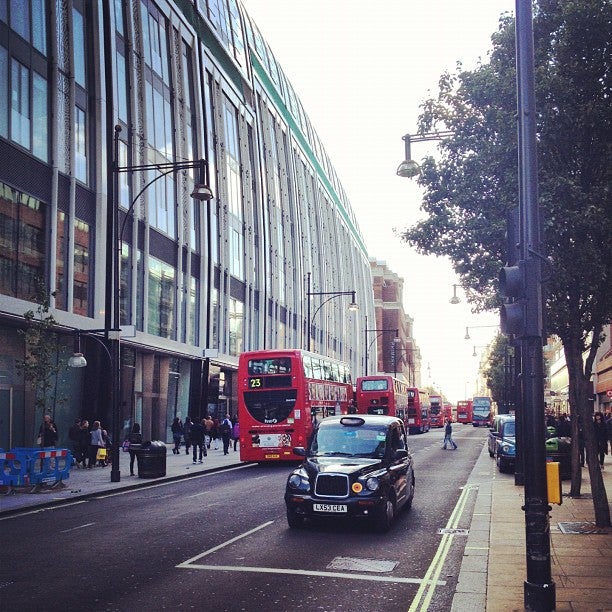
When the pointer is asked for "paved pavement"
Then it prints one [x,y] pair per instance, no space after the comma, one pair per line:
[493,568]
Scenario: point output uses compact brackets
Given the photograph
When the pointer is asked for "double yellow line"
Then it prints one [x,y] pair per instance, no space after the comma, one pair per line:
[423,596]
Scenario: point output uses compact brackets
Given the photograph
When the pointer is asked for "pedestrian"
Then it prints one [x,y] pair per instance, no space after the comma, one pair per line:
[134,438]
[608,420]
[177,434]
[197,439]
[209,425]
[236,433]
[448,435]
[187,433]
[96,444]
[73,434]
[83,443]
[601,436]
[225,430]
[214,434]
[48,432]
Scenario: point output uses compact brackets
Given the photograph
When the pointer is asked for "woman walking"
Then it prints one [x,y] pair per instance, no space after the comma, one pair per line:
[177,433]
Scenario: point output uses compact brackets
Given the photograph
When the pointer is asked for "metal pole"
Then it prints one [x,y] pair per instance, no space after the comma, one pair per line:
[116,338]
[539,588]
[365,339]
[308,311]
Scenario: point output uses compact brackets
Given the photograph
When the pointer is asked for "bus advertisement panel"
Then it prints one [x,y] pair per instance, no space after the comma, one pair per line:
[438,414]
[464,411]
[482,411]
[381,395]
[282,394]
[418,416]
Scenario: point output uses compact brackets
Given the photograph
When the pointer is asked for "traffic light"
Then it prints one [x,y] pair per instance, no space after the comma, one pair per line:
[520,316]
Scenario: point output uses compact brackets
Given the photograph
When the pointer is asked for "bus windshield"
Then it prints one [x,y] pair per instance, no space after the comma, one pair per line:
[381,384]
[270,407]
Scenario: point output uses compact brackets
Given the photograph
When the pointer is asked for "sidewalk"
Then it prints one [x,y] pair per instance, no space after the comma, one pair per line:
[83,483]
[493,568]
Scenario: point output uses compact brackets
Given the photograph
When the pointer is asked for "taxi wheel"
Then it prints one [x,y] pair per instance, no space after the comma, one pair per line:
[295,521]
[383,522]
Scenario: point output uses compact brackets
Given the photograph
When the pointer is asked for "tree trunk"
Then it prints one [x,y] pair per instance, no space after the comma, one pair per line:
[580,392]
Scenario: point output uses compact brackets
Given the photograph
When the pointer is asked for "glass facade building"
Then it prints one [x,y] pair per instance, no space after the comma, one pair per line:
[200,282]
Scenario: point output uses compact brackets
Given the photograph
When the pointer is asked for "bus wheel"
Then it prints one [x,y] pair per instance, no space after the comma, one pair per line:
[294,520]
[383,521]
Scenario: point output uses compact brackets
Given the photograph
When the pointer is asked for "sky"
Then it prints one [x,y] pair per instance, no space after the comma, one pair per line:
[362,69]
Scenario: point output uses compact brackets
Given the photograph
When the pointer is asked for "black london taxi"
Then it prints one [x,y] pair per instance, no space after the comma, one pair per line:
[355,467]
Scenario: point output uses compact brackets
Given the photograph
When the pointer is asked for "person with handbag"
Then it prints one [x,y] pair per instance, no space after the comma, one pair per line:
[96,444]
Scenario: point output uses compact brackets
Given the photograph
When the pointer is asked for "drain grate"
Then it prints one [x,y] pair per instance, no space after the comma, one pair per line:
[584,528]
[362,565]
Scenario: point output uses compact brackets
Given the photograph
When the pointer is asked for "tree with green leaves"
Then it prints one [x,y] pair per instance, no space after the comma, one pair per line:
[471,189]
[41,365]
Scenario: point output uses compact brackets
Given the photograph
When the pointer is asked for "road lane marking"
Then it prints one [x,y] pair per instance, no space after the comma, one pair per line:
[191,564]
[79,527]
[309,573]
[45,509]
[425,593]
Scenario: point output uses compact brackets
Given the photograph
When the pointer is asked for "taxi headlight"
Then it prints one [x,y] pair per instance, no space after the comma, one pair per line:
[506,448]
[372,484]
[298,481]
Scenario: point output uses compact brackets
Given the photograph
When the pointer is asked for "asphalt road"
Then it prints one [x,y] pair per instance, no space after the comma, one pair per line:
[221,542]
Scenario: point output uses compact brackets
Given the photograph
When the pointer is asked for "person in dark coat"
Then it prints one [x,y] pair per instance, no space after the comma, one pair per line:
[177,434]
[197,439]
[448,435]
[135,440]
[187,425]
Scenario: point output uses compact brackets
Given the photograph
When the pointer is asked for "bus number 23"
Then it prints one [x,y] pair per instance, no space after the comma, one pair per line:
[254,383]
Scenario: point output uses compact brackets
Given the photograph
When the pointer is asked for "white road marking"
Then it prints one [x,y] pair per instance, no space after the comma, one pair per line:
[191,564]
[79,527]
[45,509]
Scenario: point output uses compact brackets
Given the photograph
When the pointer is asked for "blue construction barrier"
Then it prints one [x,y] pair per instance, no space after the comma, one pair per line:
[35,466]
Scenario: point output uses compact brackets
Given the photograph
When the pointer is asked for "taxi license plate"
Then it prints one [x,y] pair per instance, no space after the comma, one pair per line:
[337,508]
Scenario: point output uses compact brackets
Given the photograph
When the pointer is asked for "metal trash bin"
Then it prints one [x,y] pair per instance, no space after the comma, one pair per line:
[151,458]
[559,449]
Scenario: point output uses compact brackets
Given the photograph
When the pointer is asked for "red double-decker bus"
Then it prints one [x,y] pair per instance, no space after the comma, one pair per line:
[282,394]
[380,394]
[418,411]
[464,411]
[438,413]
[448,410]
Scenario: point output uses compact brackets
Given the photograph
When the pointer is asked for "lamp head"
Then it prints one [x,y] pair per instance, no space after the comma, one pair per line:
[408,169]
[203,193]
[77,361]
[353,306]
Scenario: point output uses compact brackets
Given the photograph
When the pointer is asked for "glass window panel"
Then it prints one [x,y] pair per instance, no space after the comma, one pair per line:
[3,10]
[39,26]
[4,89]
[122,89]
[119,17]
[41,119]
[61,253]
[22,231]
[20,17]
[82,268]
[161,299]
[20,104]
[194,308]
[80,145]
[78,47]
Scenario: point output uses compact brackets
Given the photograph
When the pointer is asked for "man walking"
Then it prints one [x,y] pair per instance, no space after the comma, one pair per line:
[448,435]
[197,439]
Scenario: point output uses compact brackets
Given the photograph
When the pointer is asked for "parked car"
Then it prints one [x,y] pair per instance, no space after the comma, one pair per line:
[505,446]
[356,467]
[494,432]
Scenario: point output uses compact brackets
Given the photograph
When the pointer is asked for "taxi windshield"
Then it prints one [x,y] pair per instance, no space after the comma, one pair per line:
[349,442]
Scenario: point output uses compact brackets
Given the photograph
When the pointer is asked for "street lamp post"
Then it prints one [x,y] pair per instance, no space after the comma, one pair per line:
[467,329]
[455,299]
[112,334]
[379,333]
[332,294]
[410,168]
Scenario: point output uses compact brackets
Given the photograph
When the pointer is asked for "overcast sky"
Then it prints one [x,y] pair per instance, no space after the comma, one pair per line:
[361,70]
